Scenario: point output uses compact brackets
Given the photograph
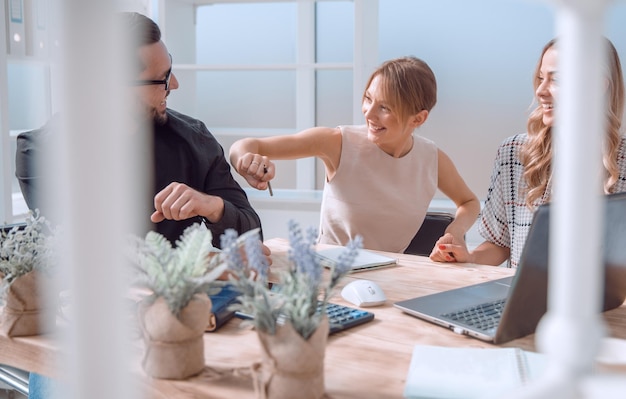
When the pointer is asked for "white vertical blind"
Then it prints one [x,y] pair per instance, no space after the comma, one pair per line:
[573,326]
[6,208]
[571,331]
[97,199]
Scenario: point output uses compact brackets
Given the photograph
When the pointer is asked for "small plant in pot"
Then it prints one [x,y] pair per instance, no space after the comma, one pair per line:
[173,318]
[291,322]
[27,257]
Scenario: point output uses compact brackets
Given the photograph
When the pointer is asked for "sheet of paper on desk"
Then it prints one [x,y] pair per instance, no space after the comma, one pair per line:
[442,372]
[365,260]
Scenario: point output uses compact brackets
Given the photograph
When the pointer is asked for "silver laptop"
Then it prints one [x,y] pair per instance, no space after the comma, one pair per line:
[505,309]
[364,261]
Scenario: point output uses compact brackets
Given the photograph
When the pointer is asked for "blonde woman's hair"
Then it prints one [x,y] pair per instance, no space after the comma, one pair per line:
[409,85]
[536,155]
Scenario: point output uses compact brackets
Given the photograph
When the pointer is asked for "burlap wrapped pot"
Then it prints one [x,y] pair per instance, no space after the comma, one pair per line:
[291,367]
[174,347]
[25,311]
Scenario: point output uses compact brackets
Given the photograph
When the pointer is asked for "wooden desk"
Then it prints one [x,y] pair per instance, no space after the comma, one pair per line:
[369,361]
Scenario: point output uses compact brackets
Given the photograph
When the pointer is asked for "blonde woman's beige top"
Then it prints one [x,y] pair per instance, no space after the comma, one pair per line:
[382,198]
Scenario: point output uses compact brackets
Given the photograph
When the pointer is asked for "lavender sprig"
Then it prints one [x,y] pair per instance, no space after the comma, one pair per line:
[230,250]
[302,287]
[302,253]
[256,258]
[345,260]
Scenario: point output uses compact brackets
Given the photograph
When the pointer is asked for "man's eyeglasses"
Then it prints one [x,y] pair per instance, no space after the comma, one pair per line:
[165,81]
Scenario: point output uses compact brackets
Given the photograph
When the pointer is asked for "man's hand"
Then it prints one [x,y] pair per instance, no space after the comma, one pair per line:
[178,201]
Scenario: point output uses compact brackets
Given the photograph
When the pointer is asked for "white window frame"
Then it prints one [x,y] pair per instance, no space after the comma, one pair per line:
[9,212]
[364,60]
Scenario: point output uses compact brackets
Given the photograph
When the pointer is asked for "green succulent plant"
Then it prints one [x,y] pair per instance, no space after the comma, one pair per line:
[27,248]
[176,273]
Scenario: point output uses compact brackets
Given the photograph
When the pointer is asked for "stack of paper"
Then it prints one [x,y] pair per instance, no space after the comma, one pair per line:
[441,372]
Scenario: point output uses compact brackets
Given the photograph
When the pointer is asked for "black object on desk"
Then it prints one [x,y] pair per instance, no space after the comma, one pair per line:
[340,317]
[221,310]
[433,227]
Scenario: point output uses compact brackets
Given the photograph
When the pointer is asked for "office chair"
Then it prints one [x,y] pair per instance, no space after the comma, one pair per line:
[433,227]
[8,227]
[29,152]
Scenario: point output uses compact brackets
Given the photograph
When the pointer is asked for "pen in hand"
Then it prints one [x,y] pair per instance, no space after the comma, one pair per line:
[269,186]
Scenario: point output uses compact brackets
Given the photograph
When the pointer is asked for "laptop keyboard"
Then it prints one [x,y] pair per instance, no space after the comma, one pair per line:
[484,316]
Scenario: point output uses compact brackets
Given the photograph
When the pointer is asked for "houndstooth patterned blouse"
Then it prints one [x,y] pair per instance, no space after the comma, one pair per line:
[505,219]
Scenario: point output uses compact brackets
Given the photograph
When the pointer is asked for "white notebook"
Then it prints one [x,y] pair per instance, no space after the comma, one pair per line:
[365,260]
[455,373]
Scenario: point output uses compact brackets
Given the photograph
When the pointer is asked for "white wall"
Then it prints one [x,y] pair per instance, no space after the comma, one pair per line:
[483,53]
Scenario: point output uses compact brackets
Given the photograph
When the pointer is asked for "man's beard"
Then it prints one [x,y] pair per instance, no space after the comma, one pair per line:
[160,118]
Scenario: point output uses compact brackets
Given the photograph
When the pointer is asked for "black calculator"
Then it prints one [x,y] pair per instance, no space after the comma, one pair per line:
[342,317]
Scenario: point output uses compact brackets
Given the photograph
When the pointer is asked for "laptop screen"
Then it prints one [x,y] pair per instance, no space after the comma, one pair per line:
[526,293]
[531,300]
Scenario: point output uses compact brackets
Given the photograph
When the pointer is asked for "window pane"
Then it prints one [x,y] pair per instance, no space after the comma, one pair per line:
[28,95]
[335,31]
[333,98]
[28,104]
[333,107]
[483,56]
[246,33]
[246,99]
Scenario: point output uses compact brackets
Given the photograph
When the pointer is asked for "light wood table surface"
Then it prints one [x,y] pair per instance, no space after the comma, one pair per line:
[367,361]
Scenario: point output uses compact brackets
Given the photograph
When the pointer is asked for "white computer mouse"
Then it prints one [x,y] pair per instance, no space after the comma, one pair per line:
[363,293]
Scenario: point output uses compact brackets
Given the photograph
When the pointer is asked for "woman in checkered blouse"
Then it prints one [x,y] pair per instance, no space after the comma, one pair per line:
[521,179]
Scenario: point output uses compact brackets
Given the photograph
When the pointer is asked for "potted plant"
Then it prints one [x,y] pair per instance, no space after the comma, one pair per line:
[291,322]
[27,255]
[174,316]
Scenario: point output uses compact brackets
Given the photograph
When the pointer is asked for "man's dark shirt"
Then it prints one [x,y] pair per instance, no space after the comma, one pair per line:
[186,152]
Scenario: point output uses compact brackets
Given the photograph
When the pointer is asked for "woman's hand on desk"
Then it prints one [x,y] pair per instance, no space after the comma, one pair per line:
[450,249]
[487,253]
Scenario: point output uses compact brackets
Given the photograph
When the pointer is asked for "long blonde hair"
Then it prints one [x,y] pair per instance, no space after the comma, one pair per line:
[536,155]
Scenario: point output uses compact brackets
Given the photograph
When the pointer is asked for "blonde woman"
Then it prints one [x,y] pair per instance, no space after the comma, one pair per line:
[381,176]
[521,179]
